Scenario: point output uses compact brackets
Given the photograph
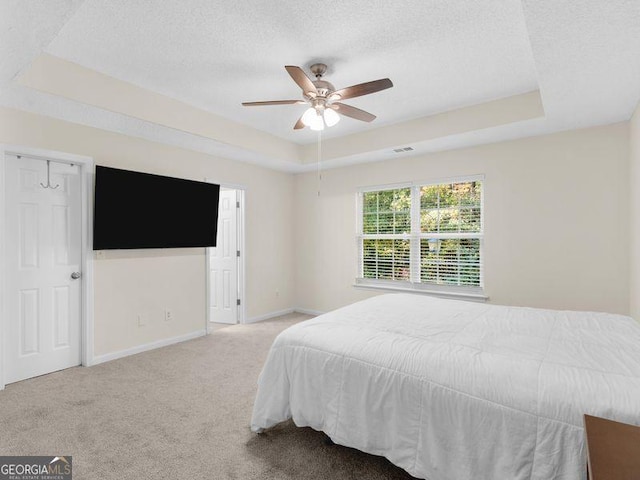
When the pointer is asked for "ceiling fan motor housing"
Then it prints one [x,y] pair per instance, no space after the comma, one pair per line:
[324,88]
[318,69]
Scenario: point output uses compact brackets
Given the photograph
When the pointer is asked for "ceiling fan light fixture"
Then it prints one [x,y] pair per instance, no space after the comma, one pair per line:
[331,117]
[317,125]
[313,119]
[309,116]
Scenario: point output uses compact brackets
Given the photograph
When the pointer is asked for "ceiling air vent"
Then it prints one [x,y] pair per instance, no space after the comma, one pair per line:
[402,150]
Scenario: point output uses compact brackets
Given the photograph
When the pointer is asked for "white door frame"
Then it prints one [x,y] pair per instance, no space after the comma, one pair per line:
[240,225]
[86,165]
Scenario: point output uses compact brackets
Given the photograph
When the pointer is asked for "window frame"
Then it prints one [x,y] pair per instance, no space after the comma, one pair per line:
[415,236]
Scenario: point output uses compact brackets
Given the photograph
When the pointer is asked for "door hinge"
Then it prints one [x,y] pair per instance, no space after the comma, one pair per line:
[238,253]
[237,204]
[238,302]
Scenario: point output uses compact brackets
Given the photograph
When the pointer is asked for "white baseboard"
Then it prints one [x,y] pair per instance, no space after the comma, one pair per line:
[107,357]
[308,311]
[269,315]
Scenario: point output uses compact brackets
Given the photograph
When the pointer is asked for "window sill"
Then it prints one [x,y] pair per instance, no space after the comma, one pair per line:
[477,297]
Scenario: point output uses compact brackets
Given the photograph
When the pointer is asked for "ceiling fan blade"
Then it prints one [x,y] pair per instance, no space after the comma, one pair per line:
[301,79]
[352,112]
[299,124]
[273,102]
[362,89]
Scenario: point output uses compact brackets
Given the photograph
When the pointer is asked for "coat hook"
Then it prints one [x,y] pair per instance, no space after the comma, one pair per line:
[48,185]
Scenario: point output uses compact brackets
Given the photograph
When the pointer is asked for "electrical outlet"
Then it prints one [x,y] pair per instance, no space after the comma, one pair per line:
[168,315]
[142,319]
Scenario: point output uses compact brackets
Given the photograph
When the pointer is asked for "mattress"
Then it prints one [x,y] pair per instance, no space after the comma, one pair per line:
[455,390]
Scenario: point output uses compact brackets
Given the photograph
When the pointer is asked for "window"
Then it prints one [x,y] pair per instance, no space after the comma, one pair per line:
[426,237]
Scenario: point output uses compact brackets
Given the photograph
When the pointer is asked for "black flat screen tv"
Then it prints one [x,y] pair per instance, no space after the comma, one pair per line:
[140,210]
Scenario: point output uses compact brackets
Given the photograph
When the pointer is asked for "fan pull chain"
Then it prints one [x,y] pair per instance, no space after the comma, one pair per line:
[319,159]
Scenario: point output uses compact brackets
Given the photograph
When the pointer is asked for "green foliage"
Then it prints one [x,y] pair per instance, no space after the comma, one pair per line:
[444,208]
[387,211]
[450,207]
[451,261]
[386,259]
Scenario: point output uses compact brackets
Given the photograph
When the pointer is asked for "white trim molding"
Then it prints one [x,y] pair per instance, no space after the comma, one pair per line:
[269,315]
[286,311]
[476,297]
[2,263]
[308,311]
[107,357]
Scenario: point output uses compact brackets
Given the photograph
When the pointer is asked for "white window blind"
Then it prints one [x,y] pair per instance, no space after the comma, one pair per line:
[427,236]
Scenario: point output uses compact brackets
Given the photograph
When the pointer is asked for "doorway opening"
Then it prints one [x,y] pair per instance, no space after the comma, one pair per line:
[225,263]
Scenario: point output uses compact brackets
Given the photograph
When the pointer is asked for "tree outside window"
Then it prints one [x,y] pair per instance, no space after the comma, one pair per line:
[427,234]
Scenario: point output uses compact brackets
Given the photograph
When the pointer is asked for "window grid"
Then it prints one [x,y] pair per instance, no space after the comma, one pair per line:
[438,243]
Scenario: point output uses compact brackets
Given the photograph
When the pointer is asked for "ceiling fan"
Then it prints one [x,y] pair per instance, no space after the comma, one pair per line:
[322,96]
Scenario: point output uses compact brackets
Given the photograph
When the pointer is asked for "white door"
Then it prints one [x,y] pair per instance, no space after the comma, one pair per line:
[43,301]
[223,262]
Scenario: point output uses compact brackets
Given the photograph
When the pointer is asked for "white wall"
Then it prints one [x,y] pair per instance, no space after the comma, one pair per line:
[634,241]
[556,217]
[147,281]
[556,220]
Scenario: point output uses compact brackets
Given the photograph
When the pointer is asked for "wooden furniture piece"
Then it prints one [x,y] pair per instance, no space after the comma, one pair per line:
[613,449]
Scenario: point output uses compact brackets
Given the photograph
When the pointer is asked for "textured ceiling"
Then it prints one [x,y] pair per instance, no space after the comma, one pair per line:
[582,55]
[216,54]
[27,27]
[587,55]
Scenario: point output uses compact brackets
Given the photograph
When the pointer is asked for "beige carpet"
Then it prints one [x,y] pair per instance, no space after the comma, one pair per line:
[179,412]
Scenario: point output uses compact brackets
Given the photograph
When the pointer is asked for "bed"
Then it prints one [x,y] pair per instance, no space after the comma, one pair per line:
[455,390]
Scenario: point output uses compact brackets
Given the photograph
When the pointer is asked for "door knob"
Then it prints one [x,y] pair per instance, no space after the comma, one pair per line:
[75,275]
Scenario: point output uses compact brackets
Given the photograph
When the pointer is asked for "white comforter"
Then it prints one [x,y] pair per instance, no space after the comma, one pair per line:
[455,390]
